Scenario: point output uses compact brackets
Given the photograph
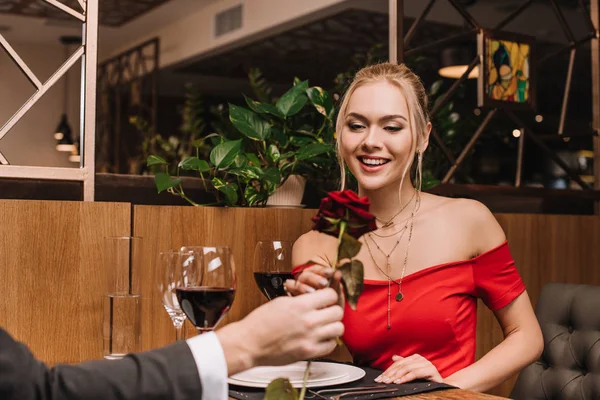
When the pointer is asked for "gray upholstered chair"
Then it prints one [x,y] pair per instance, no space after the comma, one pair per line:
[569,367]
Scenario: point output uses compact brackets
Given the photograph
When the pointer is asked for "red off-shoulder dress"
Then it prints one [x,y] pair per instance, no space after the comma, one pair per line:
[437,317]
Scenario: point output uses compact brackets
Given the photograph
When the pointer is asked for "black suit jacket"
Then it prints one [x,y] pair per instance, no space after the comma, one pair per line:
[166,373]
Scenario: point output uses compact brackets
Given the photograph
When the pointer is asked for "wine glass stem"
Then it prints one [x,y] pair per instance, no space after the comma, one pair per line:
[179,332]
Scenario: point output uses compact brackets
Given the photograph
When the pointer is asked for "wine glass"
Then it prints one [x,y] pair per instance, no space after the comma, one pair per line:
[272,267]
[169,279]
[208,286]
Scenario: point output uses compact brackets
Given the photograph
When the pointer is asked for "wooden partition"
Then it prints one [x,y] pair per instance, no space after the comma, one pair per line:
[52,275]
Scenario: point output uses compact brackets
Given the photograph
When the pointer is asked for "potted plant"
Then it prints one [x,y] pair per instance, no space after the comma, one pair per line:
[276,143]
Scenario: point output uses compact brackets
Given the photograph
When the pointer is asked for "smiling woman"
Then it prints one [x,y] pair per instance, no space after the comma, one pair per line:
[431,257]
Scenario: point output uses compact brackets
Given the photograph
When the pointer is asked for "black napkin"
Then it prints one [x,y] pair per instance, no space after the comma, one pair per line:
[405,389]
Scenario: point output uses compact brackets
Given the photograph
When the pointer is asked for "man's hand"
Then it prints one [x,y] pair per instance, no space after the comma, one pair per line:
[284,330]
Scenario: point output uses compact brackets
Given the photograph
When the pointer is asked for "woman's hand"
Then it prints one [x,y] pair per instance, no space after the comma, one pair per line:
[313,278]
[406,369]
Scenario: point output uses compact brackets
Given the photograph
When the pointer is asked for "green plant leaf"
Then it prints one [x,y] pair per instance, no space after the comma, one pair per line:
[353,280]
[164,181]
[263,108]
[273,153]
[240,161]
[227,188]
[199,142]
[301,140]
[322,101]
[247,173]
[272,175]
[156,160]
[249,123]
[253,196]
[311,150]
[194,163]
[281,389]
[349,247]
[253,158]
[292,101]
[278,135]
[301,85]
[223,155]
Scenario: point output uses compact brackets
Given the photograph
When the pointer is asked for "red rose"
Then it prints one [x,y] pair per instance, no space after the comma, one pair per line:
[344,206]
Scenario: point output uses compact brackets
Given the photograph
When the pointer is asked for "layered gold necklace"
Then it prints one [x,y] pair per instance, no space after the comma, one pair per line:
[387,272]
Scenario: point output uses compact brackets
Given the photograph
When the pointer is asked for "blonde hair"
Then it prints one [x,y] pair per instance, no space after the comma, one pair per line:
[416,98]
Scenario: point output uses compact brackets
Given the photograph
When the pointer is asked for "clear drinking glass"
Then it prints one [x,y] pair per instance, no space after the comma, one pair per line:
[272,267]
[122,324]
[169,279]
[208,285]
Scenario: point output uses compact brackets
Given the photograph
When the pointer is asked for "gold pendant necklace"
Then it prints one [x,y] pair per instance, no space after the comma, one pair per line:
[390,222]
[399,295]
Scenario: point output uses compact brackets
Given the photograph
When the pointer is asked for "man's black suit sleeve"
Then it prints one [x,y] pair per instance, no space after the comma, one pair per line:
[166,373]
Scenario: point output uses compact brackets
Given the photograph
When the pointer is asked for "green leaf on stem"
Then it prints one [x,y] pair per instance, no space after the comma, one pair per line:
[156,160]
[253,158]
[313,150]
[352,279]
[164,181]
[301,140]
[301,85]
[281,389]
[253,196]
[279,136]
[249,123]
[349,247]
[194,163]
[322,101]
[199,142]
[247,173]
[292,101]
[224,154]
[263,108]
[272,175]
[240,161]
[273,153]
[227,188]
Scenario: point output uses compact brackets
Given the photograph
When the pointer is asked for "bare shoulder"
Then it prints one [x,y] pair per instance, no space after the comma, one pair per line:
[481,226]
[313,246]
[471,220]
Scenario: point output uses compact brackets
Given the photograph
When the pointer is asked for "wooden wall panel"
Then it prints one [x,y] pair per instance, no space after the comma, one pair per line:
[165,228]
[52,277]
[546,248]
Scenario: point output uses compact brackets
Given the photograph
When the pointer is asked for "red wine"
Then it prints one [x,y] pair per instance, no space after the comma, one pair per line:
[205,306]
[271,283]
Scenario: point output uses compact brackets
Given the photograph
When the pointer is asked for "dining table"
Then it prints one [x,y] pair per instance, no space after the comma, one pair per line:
[451,394]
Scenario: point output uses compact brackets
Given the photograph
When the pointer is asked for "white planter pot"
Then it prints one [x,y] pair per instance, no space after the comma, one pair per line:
[289,194]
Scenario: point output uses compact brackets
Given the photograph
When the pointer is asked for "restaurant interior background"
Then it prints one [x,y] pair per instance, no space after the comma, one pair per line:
[167,73]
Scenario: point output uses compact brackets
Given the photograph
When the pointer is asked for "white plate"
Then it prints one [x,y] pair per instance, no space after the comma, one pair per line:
[321,374]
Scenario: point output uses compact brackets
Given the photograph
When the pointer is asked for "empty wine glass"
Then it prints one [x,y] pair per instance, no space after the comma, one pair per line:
[170,278]
[272,267]
[208,286]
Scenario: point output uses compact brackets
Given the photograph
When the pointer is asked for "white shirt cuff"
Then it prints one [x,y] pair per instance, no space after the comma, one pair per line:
[212,367]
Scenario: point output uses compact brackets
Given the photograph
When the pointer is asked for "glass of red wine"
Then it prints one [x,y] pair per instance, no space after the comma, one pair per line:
[272,267]
[208,285]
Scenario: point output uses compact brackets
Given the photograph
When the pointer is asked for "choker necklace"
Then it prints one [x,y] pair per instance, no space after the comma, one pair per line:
[399,295]
[390,222]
